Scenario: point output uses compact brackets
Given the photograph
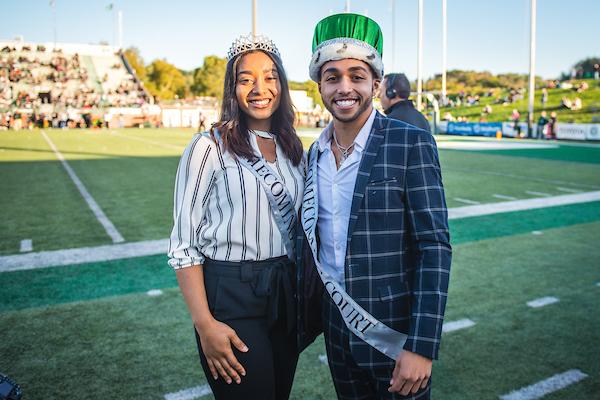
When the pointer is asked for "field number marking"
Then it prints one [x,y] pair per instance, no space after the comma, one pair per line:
[568,190]
[504,197]
[189,394]
[467,201]
[109,227]
[457,325]
[543,301]
[26,246]
[547,386]
[542,194]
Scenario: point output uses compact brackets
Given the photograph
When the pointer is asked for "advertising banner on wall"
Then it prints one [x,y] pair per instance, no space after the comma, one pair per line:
[578,131]
[474,128]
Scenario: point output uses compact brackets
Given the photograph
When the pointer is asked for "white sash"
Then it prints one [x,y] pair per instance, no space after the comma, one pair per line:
[357,319]
[280,200]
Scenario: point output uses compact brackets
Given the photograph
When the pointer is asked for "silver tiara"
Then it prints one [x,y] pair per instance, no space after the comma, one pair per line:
[249,43]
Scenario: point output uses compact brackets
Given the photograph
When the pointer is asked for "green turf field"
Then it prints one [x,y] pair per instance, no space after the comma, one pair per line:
[90,330]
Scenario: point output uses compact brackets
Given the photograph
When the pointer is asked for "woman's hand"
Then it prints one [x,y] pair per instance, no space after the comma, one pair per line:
[216,339]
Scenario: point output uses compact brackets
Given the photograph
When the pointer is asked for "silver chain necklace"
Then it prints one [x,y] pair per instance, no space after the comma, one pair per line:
[344,150]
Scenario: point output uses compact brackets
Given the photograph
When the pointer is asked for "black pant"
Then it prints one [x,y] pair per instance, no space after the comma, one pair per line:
[254,299]
[352,381]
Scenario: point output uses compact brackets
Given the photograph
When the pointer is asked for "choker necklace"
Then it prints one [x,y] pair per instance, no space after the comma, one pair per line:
[344,150]
[262,134]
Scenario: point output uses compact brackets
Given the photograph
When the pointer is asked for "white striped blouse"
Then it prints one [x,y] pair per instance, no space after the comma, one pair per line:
[220,209]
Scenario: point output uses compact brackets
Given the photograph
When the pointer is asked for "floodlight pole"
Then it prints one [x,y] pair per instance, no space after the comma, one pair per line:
[254,7]
[532,33]
[420,56]
[444,50]
[347,8]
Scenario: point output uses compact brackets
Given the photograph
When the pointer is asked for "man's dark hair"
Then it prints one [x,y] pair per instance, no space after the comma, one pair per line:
[399,84]
[232,124]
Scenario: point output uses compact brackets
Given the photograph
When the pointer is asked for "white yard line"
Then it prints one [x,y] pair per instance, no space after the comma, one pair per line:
[542,194]
[568,190]
[547,386]
[466,201]
[109,227]
[521,205]
[542,301]
[504,197]
[457,325]
[189,394]
[26,246]
[44,259]
[148,141]
[152,247]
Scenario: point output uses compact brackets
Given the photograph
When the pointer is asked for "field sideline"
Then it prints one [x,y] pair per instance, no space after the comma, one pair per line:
[93,331]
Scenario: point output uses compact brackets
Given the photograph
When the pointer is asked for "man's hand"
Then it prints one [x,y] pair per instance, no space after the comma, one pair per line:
[412,372]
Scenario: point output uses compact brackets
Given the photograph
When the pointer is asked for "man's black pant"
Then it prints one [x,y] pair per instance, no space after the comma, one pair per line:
[351,381]
[256,301]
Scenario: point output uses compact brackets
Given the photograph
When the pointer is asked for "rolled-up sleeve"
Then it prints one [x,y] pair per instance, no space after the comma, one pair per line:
[195,176]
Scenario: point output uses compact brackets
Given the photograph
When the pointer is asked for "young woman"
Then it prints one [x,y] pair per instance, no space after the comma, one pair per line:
[237,193]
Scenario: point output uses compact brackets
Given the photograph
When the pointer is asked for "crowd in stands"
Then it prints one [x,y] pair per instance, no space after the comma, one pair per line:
[48,87]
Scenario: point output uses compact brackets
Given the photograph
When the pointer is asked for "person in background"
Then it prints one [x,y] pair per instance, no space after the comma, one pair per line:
[394,96]
[541,125]
[544,98]
[516,118]
[237,193]
[552,125]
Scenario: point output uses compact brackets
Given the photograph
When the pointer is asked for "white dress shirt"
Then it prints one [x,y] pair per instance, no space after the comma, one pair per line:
[335,190]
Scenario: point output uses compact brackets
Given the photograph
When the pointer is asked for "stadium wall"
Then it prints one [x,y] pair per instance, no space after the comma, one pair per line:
[564,131]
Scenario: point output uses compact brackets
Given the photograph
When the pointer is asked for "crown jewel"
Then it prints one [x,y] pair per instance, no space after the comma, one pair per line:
[249,43]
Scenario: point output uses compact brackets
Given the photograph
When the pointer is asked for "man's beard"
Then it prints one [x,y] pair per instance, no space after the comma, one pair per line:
[331,108]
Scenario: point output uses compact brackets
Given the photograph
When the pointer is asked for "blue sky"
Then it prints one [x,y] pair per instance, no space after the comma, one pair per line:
[488,35]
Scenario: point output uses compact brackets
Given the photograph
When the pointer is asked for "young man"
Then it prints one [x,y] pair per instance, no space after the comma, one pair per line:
[394,94]
[374,218]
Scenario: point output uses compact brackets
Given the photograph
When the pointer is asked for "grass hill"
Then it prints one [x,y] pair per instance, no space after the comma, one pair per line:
[590,111]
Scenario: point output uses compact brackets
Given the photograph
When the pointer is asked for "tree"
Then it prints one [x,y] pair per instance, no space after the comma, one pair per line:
[584,68]
[208,79]
[135,60]
[165,80]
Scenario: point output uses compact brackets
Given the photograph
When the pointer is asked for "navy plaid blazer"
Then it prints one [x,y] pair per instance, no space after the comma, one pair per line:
[398,251]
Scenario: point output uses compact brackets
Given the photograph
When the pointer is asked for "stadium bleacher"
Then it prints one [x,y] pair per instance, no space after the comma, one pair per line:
[63,84]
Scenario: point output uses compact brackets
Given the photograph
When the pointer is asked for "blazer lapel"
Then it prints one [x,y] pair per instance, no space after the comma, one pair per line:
[364,170]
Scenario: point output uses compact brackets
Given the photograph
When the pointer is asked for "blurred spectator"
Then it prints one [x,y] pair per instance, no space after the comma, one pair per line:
[516,118]
[566,102]
[544,97]
[552,126]
[541,125]
[582,87]
[577,104]
[596,71]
